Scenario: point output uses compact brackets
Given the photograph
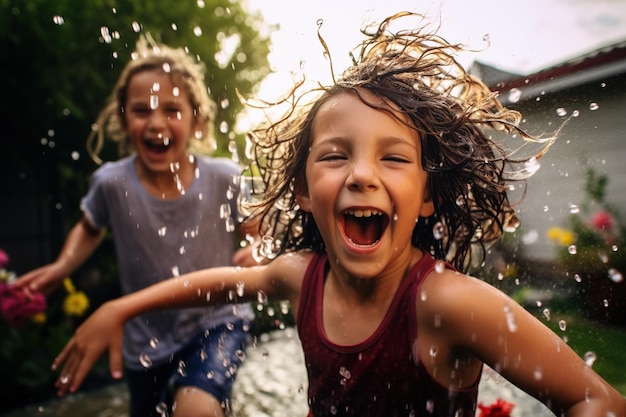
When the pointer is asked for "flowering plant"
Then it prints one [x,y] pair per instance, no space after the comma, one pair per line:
[500,408]
[592,250]
[28,346]
[593,242]
[16,308]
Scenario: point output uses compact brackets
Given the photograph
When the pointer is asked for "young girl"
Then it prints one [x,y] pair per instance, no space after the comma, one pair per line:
[388,175]
[166,208]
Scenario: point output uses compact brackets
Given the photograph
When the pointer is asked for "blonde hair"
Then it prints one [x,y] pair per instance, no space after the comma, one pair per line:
[183,69]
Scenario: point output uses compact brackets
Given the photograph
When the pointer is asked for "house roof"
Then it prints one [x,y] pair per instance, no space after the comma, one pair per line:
[598,64]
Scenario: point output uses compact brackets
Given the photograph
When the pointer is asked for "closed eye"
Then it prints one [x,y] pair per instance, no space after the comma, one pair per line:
[396,158]
[333,157]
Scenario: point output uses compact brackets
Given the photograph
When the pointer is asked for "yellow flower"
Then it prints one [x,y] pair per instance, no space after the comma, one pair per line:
[75,304]
[39,318]
[561,236]
[69,286]
[567,238]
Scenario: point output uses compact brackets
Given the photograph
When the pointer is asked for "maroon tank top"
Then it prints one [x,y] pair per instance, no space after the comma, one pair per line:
[380,376]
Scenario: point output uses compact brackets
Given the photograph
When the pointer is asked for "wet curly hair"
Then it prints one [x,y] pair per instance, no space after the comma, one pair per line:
[468,172]
[184,71]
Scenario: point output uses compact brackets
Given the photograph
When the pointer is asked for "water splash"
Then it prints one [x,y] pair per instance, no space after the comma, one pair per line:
[145,360]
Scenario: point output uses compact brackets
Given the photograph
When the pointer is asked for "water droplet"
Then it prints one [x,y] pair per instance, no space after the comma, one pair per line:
[230,225]
[210,375]
[182,368]
[75,155]
[574,209]
[433,351]
[438,231]
[136,26]
[511,322]
[514,95]
[240,288]
[162,231]
[58,20]
[261,297]
[561,111]
[615,275]
[154,342]
[578,278]
[562,325]
[175,271]
[225,211]
[344,372]
[145,360]
[590,358]
[440,267]
[572,249]
[593,106]
[546,313]
[161,409]
[154,102]
[538,374]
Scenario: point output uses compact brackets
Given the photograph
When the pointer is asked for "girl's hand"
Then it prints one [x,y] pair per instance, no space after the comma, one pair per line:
[100,332]
[45,279]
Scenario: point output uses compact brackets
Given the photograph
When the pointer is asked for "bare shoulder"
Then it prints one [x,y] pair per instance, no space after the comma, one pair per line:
[460,302]
[285,273]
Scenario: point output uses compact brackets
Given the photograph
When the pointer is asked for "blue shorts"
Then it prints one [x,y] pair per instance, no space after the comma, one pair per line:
[209,362]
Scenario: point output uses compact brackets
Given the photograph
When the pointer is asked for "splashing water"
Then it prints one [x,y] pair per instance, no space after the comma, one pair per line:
[145,360]
[511,322]
[590,358]
[438,231]
[615,275]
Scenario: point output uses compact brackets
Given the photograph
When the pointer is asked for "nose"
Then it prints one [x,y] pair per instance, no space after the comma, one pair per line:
[362,176]
[157,120]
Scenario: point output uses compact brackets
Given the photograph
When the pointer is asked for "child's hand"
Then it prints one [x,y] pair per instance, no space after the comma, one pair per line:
[45,279]
[100,332]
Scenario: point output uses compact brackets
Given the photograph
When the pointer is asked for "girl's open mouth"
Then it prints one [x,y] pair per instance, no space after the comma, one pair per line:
[159,145]
[364,227]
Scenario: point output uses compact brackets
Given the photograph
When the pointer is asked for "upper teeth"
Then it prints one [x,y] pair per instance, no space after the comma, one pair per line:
[364,213]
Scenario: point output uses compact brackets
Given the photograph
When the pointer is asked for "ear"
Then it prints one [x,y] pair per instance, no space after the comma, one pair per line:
[304,201]
[428,206]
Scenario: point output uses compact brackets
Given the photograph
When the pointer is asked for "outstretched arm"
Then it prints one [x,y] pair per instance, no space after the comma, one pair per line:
[102,331]
[80,243]
[477,320]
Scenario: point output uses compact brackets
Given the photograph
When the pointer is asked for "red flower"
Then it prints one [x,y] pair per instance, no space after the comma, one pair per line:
[602,220]
[4,259]
[16,308]
[500,408]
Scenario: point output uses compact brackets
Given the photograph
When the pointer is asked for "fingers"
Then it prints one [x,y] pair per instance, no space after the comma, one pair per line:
[115,360]
[74,367]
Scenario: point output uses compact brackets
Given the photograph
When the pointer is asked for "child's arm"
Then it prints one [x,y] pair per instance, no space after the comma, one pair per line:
[102,331]
[477,320]
[80,243]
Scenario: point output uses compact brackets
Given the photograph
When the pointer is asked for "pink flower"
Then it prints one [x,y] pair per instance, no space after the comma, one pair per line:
[4,259]
[16,308]
[602,220]
[500,408]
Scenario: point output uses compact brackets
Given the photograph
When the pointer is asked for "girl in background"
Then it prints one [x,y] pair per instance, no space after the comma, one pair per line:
[171,212]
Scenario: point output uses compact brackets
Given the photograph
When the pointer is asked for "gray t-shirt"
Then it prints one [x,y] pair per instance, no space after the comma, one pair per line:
[157,239]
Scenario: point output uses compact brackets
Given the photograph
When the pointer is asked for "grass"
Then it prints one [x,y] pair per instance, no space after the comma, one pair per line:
[607,342]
